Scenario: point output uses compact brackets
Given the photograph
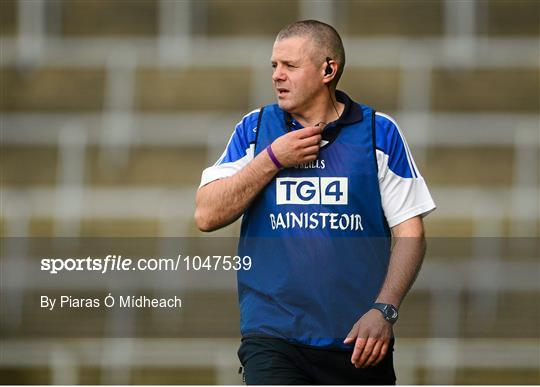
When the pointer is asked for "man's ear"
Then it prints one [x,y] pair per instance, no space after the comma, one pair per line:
[329,71]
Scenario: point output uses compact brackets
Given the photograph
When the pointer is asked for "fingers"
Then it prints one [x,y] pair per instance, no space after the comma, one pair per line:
[374,354]
[382,354]
[309,141]
[351,336]
[308,131]
[309,148]
[364,355]
[372,335]
[312,150]
[299,146]
[358,349]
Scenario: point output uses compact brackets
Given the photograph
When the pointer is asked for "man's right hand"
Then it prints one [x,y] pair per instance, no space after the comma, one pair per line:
[298,146]
[222,201]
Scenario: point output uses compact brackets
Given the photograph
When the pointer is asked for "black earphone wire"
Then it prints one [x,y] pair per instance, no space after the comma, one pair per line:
[332,100]
[328,67]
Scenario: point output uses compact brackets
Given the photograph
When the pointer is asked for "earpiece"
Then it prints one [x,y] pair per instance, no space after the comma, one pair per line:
[328,70]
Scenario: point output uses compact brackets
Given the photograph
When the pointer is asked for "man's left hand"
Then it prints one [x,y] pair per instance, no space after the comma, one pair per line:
[372,334]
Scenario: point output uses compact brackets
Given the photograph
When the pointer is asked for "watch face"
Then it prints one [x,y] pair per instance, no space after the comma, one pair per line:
[391,313]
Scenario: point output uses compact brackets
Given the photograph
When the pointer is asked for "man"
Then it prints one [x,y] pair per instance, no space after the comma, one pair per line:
[323,183]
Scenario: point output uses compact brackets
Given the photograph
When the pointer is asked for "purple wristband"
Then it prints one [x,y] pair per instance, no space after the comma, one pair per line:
[273,157]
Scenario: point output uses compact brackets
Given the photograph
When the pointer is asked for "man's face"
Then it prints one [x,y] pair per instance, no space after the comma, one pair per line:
[296,77]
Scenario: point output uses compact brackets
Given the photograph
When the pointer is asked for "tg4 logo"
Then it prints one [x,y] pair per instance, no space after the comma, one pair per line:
[312,190]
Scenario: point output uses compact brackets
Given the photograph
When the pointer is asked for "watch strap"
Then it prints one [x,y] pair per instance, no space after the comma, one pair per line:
[384,308]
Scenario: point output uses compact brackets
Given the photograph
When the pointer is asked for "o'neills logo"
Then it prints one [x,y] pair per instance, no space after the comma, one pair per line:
[317,164]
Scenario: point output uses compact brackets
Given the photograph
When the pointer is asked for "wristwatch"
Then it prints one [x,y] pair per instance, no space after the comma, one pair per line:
[389,311]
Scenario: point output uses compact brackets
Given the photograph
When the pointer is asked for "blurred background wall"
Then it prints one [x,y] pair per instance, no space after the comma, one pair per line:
[110,110]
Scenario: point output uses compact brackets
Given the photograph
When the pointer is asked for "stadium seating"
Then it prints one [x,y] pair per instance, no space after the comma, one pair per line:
[95,105]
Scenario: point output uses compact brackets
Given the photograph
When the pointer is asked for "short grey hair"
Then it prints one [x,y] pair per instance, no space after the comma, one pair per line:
[325,38]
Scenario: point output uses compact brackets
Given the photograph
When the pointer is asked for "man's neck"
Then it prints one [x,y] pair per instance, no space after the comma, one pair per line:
[324,111]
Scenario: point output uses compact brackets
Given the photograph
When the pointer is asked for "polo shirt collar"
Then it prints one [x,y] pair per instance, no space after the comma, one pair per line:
[351,114]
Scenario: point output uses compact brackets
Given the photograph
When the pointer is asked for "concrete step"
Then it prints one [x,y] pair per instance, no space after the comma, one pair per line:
[415,18]
[514,316]
[486,89]
[193,89]
[509,17]
[480,376]
[474,165]
[8,17]
[441,227]
[153,375]
[173,375]
[83,18]
[497,376]
[37,375]
[25,166]
[243,18]
[375,87]
[52,89]
[106,228]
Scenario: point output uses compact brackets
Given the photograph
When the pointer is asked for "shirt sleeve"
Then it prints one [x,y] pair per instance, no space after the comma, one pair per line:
[404,192]
[238,152]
